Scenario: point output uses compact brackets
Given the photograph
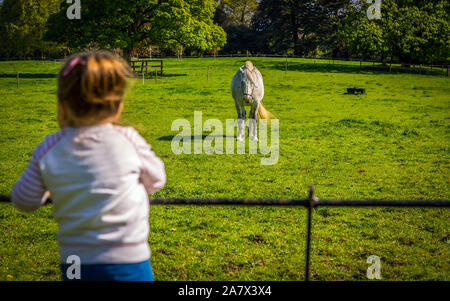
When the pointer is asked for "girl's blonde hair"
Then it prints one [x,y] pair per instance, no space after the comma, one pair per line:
[92,85]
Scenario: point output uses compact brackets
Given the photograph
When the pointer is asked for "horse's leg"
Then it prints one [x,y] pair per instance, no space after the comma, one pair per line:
[241,119]
[252,122]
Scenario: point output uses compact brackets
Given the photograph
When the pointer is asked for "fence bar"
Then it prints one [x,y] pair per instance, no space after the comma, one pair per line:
[226,201]
[308,244]
[312,201]
[385,203]
[305,202]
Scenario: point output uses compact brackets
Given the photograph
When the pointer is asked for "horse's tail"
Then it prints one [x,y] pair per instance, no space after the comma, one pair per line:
[263,113]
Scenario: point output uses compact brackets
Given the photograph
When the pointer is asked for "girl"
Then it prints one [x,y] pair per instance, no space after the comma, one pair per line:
[99,175]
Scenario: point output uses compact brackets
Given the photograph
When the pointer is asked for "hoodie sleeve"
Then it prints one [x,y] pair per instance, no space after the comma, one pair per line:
[153,175]
[29,192]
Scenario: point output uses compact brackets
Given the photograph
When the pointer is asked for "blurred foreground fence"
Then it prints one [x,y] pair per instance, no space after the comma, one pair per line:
[311,202]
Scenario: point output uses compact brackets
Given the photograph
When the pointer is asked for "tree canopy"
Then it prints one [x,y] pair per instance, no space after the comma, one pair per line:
[129,24]
[409,31]
[235,12]
[297,26]
[22,26]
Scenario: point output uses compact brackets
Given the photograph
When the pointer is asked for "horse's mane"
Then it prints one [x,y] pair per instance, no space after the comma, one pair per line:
[249,65]
[249,68]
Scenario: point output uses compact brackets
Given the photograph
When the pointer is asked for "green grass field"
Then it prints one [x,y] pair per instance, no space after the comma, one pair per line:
[392,143]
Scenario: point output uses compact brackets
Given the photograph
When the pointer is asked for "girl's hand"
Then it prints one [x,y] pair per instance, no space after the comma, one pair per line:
[46,198]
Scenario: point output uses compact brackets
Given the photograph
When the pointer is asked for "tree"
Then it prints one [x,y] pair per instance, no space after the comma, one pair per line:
[22,26]
[275,20]
[298,26]
[240,38]
[235,12]
[130,24]
[411,31]
[363,38]
[187,24]
[417,31]
[235,18]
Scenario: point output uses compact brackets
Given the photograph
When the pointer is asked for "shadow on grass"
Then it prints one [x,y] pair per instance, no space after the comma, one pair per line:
[174,75]
[54,75]
[28,75]
[150,75]
[196,137]
[342,67]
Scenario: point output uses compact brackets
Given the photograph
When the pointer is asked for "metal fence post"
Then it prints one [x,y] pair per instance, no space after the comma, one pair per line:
[285,68]
[312,202]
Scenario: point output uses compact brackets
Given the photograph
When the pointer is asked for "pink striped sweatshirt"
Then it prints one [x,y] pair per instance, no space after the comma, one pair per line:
[99,178]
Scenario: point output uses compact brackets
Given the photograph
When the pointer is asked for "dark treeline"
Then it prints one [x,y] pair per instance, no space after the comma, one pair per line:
[409,31]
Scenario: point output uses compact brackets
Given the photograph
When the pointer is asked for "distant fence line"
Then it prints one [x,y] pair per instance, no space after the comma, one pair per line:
[372,65]
[284,66]
[396,62]
[311,202]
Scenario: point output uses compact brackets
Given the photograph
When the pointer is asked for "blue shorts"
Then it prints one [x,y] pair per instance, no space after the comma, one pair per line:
[141,271]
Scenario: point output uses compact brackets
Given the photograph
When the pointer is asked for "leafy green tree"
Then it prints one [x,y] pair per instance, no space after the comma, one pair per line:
[188,24]
[410,31]
[417,31]
[22,26]
[362,37]
[132,24]
[104,24]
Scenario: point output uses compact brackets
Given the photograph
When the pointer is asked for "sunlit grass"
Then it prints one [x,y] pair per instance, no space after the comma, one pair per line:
[391,143]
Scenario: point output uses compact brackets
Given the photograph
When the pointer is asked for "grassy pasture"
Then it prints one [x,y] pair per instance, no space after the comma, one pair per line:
[392,143]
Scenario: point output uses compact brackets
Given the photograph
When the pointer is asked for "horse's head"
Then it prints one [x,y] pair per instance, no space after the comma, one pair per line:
[248,82]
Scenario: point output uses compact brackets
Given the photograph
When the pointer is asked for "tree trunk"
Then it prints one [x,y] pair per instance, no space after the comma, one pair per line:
[294,30]
[127,53]
[243,15]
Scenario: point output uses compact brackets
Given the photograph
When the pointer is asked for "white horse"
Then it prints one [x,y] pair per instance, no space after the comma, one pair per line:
[247,89]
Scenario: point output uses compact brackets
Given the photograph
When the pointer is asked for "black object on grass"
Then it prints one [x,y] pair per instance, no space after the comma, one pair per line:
[356,90]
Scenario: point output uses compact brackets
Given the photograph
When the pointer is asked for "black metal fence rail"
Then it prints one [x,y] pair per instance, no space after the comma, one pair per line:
[304,202]
[311,202]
